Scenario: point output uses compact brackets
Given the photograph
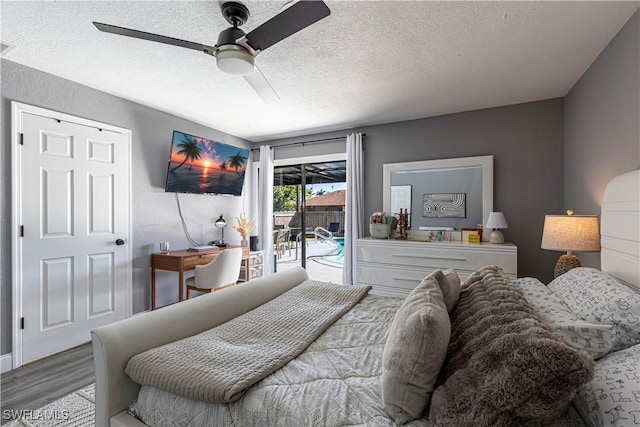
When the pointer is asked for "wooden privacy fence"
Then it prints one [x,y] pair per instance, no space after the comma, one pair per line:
[312,219]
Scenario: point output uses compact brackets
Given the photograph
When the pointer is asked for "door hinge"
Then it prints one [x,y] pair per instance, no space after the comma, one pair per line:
[22,323]
[22,139]
[22,231]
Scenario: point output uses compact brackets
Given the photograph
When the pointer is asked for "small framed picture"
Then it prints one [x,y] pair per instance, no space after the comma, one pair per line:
[471,235]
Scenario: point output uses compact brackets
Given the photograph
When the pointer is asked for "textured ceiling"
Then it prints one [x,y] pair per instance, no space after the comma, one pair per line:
[367,63]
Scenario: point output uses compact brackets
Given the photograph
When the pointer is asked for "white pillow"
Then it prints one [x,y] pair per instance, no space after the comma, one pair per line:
[596,339]
[597,297]
[613,397]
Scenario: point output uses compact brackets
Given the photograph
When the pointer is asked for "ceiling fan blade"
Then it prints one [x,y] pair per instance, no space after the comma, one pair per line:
[260,84]
[297,17]
[150,36]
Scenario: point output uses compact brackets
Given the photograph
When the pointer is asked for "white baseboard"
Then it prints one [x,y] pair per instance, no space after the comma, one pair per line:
[6,363]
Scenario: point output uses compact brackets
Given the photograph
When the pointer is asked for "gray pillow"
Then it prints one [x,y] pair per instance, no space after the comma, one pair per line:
[414,352]
[449,282]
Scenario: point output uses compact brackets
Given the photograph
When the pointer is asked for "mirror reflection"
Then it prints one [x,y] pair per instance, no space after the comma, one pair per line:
[442,198]
[441,194]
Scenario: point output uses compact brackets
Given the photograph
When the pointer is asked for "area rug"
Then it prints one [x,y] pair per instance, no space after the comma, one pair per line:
[73,410]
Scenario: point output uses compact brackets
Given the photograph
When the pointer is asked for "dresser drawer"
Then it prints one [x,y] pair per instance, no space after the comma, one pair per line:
[405,279]
[395,267]
[433,258]
[438,256]
[402,278]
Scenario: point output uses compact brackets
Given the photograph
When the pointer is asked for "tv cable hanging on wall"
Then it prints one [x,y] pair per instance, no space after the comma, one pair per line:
[184,225]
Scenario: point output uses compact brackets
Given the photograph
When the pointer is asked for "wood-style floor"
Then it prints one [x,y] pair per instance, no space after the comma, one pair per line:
[39,383]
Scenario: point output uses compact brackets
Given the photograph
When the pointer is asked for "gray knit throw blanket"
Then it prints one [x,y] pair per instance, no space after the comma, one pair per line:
[220,364]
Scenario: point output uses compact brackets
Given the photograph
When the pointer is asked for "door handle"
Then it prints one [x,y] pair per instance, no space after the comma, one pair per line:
[120,242]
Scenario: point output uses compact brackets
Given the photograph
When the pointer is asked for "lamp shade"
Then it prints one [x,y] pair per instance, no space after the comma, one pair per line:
[578,233]
[496,220]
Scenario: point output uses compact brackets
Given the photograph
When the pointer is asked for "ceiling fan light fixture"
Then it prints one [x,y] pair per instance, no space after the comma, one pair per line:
[234,59]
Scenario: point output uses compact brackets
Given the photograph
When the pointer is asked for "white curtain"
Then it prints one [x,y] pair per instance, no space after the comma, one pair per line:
[265,207]
[355,206]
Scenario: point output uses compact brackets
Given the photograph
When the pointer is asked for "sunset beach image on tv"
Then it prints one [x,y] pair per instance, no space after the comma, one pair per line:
[199,165]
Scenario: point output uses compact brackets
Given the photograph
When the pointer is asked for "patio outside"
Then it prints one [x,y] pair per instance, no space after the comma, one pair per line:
[324,258]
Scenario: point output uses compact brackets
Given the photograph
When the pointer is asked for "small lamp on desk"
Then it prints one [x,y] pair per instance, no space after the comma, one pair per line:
[221,224]
[570,233]
[496,221]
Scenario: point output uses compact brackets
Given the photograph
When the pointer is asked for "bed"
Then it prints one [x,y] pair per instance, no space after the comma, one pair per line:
[360,369]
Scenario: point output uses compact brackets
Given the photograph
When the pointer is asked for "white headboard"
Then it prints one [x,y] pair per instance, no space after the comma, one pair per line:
[620,229]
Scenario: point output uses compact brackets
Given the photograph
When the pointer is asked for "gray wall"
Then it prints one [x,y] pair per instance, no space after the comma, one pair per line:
[154,214]
[602,125]
[526,141]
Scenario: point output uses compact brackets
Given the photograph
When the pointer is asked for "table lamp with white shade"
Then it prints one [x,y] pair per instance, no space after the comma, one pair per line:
[496,221]
[570,233]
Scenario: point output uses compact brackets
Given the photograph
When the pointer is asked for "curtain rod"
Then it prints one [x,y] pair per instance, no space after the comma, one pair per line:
[315,141]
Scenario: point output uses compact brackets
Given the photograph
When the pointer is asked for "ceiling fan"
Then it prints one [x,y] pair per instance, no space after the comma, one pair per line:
[235,51]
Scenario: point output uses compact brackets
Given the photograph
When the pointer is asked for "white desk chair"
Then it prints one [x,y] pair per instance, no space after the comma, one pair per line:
[221,272]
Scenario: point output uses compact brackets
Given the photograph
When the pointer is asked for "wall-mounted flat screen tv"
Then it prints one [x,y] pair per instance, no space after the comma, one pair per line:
[200,165]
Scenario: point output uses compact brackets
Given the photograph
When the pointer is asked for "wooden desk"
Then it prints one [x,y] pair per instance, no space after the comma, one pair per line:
[184,260]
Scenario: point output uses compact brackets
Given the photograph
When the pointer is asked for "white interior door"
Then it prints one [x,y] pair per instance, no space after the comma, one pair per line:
[75,212]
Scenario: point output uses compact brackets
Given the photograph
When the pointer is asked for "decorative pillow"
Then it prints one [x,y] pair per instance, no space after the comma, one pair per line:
[597,297]
[449,282]
[505,366]
[613,397]
[414,352]
[594,338]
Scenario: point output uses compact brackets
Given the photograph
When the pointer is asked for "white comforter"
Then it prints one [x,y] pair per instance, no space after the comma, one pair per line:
[336,381]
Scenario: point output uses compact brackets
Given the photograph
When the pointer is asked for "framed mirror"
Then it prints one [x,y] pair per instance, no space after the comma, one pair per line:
[441,194]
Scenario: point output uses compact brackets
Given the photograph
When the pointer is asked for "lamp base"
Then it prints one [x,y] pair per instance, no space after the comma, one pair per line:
[565,263]
[496,237]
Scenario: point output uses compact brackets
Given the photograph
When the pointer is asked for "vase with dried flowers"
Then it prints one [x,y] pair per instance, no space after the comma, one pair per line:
[244,227]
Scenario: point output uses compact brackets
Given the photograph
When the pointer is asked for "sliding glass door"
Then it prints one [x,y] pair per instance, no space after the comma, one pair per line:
[309,209]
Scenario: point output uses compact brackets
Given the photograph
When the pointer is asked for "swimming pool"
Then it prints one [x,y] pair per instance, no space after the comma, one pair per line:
[337,255]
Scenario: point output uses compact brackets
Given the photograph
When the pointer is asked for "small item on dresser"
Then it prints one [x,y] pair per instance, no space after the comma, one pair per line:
[164,247]
[471,235]
[403,224]
[496,221]
[380,225]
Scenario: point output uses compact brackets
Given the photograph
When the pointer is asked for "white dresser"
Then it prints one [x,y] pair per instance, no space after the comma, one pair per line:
[395,267]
